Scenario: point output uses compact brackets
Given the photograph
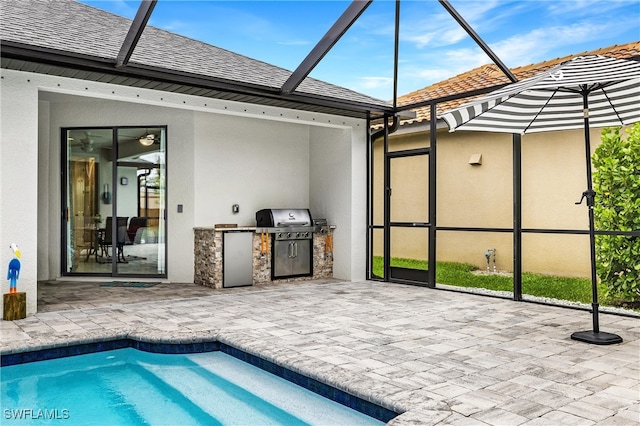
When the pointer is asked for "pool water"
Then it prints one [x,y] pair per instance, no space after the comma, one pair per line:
[131,387]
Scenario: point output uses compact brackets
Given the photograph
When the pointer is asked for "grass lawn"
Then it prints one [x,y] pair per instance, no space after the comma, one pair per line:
[461,274]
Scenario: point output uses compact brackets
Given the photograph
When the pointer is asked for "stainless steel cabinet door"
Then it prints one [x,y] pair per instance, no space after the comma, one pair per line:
[282,258]
[301,260]
[237,259]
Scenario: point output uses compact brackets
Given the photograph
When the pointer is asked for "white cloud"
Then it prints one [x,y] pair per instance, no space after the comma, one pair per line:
[539,44]
[375,82]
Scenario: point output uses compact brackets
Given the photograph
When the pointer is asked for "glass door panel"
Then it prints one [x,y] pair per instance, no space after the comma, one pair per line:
[127,177]
[141,177]
[87,197]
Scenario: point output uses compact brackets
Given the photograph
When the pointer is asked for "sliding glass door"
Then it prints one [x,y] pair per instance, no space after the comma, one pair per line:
[114,198]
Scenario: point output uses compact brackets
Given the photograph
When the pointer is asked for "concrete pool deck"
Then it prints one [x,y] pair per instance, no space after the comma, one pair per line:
[438,357]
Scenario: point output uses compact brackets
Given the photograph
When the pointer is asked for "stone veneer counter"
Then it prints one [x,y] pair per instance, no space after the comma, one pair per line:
[208,245]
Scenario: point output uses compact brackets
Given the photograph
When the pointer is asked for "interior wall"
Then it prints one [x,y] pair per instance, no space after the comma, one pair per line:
[256,164]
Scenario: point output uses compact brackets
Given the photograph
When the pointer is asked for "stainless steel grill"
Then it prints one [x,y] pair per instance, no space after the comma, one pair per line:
[292,234]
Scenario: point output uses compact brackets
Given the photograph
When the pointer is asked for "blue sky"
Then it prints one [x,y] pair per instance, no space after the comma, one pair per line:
[433,47]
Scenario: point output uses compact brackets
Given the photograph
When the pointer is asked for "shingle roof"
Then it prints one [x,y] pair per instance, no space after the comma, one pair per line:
[72,27]
[490,75]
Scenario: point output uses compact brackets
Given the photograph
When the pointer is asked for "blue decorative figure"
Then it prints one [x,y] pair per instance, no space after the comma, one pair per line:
[14,269]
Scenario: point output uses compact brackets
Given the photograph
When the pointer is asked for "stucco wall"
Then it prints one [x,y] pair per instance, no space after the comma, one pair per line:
[481,196]
[256,164]
[338,193]
[19,182]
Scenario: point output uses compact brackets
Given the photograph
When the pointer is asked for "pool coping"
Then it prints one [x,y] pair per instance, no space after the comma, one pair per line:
[195,344]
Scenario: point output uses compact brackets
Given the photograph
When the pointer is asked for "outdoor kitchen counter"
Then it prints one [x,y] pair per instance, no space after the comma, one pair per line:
[208,249]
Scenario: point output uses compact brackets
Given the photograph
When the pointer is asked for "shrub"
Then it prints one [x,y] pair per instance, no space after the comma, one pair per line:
[617,208]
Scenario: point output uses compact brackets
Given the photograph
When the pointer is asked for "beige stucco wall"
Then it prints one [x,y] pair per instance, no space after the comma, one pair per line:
[481,196]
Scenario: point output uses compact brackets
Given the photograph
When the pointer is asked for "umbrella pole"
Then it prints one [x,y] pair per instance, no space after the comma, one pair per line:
[594,336]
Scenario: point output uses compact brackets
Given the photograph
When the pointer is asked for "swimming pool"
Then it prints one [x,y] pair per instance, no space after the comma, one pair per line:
[131,387]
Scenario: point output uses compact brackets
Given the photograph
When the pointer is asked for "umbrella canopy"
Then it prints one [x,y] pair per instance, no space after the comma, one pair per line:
[553,99]
[587,90]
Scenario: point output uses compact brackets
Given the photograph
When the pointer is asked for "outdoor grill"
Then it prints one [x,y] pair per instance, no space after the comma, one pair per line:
[291,232]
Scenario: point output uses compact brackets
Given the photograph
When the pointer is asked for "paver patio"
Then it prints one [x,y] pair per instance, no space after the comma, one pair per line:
[436,356]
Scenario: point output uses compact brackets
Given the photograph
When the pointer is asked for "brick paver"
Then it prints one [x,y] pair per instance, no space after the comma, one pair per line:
[437,357]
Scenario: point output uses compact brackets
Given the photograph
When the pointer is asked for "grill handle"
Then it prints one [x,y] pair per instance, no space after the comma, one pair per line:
[292,250]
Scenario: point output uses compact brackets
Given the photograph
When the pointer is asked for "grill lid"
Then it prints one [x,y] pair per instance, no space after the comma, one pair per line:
[270,218]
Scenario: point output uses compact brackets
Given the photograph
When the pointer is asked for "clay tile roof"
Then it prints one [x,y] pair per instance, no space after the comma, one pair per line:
[490,75]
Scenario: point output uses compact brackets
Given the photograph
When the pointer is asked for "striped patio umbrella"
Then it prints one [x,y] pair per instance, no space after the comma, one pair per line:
[586,90]
[555,99]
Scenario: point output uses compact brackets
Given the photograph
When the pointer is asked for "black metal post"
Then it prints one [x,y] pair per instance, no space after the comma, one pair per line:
[135,31]
[369,235]
[337,30]
[594,336]
[395,56]
[387,204]
[432,195]
[517,217]
[484,46]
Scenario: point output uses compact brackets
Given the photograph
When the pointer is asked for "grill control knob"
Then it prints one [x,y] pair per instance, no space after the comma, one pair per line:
[288,234]
[279,234]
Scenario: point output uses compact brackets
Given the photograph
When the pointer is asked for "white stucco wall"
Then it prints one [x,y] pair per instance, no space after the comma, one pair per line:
[219,153]
[338,193]
[19,182]
[256,164]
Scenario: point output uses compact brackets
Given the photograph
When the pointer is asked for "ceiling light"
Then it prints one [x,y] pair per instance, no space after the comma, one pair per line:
[147,140]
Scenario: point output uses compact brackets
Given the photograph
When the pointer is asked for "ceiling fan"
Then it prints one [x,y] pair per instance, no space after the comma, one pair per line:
[149,139]
[85,143]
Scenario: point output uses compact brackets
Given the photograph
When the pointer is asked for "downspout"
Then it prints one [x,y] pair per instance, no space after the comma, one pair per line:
[386,129]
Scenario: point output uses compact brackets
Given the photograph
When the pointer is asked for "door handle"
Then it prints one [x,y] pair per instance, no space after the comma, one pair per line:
[295,248]
[290,250]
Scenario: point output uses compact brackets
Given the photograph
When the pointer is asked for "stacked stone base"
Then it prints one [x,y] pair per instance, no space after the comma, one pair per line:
[208,258]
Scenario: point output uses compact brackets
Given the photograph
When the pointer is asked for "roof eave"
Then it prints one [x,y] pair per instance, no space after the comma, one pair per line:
[70,60]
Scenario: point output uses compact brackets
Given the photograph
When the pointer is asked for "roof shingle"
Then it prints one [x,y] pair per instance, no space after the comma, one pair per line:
[69,26]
